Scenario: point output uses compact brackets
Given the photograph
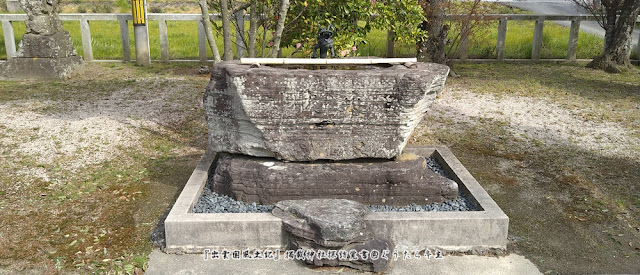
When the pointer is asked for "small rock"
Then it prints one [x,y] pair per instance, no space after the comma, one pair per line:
[204,69]
[326,222]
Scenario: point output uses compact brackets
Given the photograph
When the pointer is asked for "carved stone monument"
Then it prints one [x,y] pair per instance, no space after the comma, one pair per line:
[307,115]
[326,133]
[46,51]
[322,144]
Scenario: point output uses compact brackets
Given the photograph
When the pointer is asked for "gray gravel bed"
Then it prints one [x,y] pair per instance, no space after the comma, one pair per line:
[212,202]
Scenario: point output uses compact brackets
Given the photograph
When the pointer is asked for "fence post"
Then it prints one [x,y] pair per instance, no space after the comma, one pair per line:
[141,32]
[124,39]
[239,16]
[464,48]
[164,41]
[390,43]
[638,48]
[502,37]
[9,38]
[573,40]
[537,39]
[87,48]
[13,6]
[202,41]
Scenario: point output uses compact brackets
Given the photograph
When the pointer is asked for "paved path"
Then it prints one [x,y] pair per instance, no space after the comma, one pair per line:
[564,7]
[161,263]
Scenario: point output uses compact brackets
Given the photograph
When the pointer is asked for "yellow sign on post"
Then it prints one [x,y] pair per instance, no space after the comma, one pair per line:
[138,13]
[141,32]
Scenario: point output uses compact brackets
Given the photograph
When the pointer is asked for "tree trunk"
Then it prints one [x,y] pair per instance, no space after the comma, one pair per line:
[620,20]
[253,29]
[263,53]
[226,30]
[432,47]
[207,29]
[282,15]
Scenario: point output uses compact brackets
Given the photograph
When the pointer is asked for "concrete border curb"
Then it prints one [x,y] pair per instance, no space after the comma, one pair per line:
[473,231]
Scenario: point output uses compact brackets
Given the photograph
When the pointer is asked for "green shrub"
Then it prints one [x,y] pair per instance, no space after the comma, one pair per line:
[103,8]
[155,9]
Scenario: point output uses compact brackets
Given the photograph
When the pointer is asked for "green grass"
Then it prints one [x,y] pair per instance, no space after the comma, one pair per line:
[519,42]
[183,41]
[518,45]
[106,42]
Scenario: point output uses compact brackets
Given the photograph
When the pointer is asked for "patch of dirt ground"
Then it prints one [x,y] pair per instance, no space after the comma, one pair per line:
[89,165]
[568,184]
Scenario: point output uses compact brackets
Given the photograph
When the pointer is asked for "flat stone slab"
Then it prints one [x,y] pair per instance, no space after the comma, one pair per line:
[46,46]
[39,68]
[400,182]
[465,231]
[306,115]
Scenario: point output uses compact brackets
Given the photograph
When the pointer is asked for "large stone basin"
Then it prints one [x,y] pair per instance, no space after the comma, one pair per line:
[306,115]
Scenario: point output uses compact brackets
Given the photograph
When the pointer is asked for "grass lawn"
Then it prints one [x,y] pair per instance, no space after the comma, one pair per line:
[90,164]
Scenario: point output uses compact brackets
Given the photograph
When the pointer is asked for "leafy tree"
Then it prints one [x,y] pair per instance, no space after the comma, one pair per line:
[432,46]
[295,23]
[353,20]
[447,24]
[618,18]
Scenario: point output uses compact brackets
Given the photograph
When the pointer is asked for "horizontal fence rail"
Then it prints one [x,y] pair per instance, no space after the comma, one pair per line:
[162,18]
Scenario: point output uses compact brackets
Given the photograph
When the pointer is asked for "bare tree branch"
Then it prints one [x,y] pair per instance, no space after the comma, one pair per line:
[241,7]
[253,29]
[204,8]
[284,7]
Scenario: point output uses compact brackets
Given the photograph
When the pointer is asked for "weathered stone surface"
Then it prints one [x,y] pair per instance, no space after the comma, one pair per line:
[305,115]
[39,68]
[43,16]
[333,232]
[267,181]
[372,255]
[46,51]
[46,46]
[326,222]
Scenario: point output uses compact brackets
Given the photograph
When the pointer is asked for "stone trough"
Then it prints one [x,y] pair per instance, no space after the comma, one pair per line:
[306,115]
[470,231]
